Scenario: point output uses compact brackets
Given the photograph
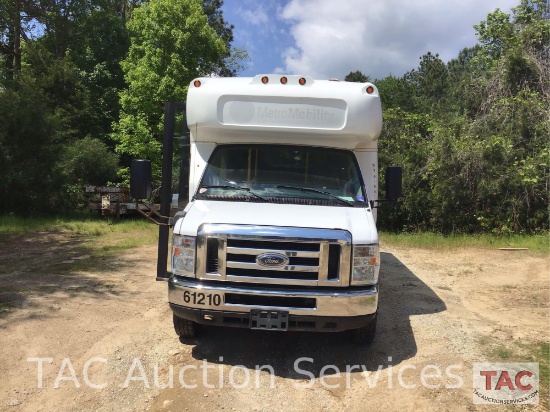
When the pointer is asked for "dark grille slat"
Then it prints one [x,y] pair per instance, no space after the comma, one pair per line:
[272,245]
[292,261]
[275,274]
[212,255]
[304,261]
[241,258]
[236,299]
[333,261]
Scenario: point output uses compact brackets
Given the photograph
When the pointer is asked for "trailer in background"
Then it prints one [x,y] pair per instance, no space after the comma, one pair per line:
[114,201]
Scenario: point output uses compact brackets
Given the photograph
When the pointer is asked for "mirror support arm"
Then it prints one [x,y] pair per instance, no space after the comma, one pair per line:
[153,215]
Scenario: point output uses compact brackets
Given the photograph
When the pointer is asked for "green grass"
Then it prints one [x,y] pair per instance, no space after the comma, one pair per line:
[88,235]
[80,224]
[428,240]
[14,225]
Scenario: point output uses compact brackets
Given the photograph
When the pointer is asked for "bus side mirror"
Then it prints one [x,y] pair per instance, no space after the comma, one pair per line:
[140,179]
[394,182]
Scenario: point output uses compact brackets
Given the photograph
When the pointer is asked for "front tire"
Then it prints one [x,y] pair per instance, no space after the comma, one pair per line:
[186,328]
[366,334]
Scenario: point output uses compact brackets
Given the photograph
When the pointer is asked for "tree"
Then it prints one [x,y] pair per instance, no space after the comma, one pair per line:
[16,24]
[464,97]
[430,81]
[396,92]
[357,77]
[102,45]
[27,148]
[171,43]
[495,34]
[60,77]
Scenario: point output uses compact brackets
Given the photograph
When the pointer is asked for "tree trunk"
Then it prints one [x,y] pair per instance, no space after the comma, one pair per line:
[12,49]
[17,38]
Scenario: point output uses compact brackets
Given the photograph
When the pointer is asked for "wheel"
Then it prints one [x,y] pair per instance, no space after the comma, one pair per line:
[186,328]
[366,334]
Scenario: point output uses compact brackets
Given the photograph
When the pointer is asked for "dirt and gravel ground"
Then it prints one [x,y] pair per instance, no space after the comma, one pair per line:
[447,309]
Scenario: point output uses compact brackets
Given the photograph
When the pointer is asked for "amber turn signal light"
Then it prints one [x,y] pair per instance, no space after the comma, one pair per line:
[197,83]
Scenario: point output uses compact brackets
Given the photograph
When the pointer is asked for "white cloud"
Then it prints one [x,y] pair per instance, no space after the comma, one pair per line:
[256,17]
[378,37]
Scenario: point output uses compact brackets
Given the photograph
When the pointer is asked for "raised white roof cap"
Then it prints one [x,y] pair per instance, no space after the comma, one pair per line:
[317,112]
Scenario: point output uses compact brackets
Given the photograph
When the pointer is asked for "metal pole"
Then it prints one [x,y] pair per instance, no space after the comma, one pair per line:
[170,109]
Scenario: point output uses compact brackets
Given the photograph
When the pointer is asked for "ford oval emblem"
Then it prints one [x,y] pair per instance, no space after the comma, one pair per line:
[272,260]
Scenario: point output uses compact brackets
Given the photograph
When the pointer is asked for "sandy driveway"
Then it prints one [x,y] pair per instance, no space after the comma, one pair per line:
[109,331]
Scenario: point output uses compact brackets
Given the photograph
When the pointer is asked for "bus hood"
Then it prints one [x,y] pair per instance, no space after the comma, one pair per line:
[358,221]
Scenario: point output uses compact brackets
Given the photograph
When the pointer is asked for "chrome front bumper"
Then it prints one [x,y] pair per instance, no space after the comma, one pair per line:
[192,293]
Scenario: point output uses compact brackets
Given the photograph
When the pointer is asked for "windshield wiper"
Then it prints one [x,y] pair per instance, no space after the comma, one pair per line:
[246,189]
[308,189]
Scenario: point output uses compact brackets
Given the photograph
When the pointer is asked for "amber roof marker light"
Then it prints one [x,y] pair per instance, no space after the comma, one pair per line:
[197,83]
[370,89]
[265,80]
[302,81]
[284,80]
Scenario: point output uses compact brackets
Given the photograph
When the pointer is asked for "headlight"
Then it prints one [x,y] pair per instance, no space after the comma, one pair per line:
[183,255]
[366,264]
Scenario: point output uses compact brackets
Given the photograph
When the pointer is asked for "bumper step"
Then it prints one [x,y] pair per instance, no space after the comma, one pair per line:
[295,322]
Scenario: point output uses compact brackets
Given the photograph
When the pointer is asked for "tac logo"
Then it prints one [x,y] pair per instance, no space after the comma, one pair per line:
[506,383]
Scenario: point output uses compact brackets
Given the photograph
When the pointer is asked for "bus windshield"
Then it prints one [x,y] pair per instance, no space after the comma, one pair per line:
[283,171]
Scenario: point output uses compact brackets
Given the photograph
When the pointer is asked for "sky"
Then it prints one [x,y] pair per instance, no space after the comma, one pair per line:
[330,38]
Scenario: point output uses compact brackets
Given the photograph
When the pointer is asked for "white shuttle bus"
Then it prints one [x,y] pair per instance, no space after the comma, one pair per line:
[280,229]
